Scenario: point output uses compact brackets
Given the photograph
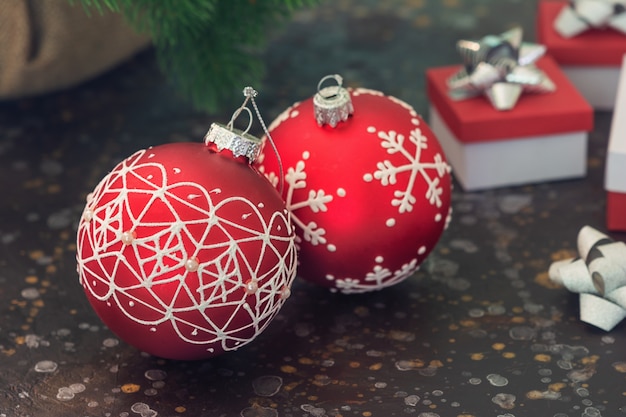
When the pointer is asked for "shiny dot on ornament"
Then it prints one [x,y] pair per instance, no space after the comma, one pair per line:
[128,238]
[285,293]
[88,215]
[252,287]
[192,265]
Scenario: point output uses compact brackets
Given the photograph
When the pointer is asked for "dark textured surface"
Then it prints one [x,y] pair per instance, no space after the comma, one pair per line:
[478,331]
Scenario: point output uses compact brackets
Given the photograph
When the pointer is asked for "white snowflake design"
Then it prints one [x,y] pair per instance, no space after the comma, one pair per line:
[379,278]
[316,201]
[295,179]
[387,173]
[106,247]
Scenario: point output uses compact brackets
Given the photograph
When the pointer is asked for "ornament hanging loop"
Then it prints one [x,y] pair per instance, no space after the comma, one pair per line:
[236,115]
[241,143]
[250,93]
[332,104]
[328,93]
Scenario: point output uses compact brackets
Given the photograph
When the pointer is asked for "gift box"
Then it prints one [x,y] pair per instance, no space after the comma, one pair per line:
[591,59]
[544,137]
[615,174]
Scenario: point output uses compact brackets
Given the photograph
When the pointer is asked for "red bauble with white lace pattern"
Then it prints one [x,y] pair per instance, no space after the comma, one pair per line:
[185,253]
[369,197]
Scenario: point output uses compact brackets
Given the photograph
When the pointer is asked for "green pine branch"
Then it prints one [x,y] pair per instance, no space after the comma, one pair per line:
[210,49]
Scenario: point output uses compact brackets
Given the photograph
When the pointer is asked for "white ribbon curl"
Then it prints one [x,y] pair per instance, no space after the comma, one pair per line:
[598,275]
[500,67]
[582,15]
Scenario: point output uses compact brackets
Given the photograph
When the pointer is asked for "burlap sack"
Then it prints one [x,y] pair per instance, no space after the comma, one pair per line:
[47,45]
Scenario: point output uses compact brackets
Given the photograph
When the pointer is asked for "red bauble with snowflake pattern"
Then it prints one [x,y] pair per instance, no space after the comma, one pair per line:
[369,192]
[185,252]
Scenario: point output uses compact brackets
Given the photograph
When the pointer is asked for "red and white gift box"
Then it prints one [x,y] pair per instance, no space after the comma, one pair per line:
[591,60]
[544,137]
[615,174]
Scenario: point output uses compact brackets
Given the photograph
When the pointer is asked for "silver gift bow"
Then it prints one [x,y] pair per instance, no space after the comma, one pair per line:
[582,15]
[500,67]
[598,275]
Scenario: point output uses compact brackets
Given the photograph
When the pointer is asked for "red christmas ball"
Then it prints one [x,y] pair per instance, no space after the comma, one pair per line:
[185,253]
[369,193]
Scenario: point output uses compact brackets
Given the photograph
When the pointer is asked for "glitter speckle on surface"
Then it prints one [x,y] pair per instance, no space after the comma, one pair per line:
[46,366]
[267,386]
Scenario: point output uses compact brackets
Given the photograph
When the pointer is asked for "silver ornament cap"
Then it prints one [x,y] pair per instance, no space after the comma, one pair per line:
[332,104]
[240,143]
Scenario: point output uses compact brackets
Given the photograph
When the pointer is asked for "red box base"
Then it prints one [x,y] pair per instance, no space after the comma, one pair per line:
[616,211]
[594,47]
[475,119]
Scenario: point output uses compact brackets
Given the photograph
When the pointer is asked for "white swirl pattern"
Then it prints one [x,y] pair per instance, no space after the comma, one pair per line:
[190,269]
